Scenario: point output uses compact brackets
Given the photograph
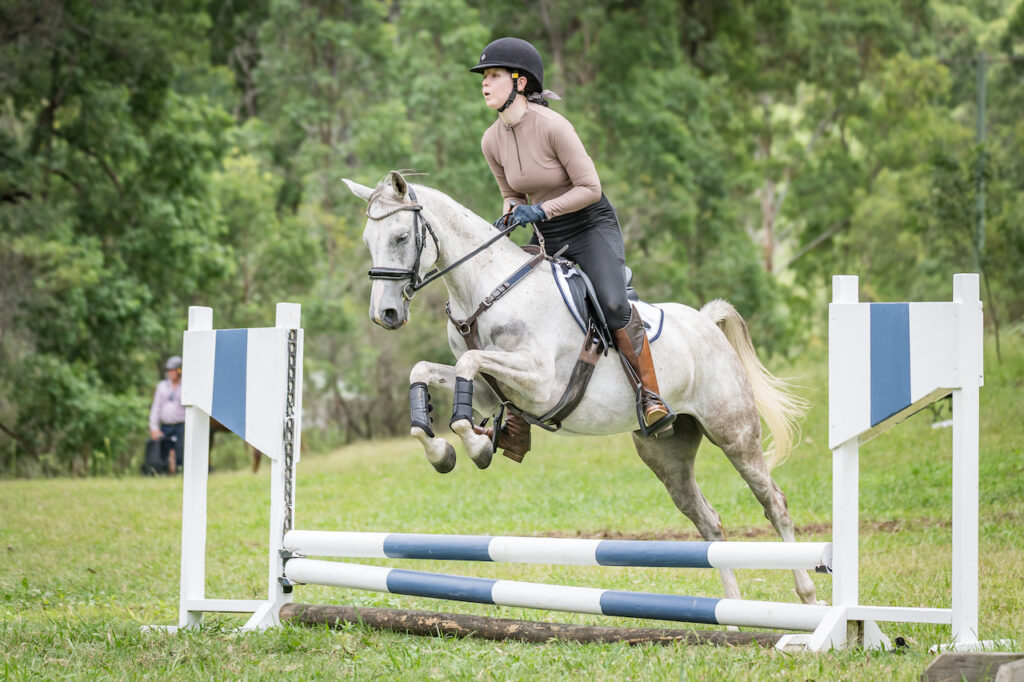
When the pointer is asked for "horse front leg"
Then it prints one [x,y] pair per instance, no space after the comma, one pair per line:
[522,371]
[424,378]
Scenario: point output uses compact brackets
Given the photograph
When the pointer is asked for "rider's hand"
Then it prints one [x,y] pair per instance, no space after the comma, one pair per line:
[506,218]
[528,213]
[156,434]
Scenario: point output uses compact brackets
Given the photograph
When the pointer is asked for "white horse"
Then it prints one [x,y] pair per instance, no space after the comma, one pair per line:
[707,368]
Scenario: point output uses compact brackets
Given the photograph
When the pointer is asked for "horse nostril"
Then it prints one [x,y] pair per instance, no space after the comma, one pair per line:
[390,317]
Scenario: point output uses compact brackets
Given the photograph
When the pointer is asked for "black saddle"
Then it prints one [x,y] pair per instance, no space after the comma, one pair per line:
[584,298]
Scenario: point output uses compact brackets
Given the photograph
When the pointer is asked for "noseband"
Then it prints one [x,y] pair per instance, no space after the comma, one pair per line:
[421,228]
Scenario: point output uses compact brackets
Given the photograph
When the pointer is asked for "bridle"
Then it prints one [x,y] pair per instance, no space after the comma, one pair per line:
[421,228]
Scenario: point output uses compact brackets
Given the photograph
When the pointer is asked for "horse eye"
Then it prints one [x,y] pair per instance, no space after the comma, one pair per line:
[402,238]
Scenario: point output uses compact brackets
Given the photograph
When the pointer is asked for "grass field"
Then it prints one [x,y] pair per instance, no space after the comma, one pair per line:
[86,562]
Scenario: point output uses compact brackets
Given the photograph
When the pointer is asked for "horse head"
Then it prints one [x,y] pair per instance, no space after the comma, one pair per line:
[402,244]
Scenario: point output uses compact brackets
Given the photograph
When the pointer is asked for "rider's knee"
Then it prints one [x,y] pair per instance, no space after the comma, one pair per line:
[617,312]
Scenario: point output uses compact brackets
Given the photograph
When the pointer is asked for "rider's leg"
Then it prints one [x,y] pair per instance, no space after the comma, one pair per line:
[634,347]
[599,251]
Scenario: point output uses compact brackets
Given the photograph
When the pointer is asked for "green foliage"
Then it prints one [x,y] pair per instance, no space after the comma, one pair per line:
[156,156]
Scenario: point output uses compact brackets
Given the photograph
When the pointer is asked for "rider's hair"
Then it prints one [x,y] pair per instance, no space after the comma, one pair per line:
[537,98]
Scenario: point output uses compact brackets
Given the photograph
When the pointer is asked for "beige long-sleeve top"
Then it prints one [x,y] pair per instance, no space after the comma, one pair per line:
[541,159]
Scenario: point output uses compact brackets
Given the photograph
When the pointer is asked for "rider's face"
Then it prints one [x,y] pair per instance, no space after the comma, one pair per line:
[497,85]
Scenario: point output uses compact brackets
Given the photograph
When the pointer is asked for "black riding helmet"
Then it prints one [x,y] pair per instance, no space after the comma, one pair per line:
[515,55]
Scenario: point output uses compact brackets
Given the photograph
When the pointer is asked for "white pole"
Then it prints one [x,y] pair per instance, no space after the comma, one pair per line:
[966,432]
[845,478]
[193,510]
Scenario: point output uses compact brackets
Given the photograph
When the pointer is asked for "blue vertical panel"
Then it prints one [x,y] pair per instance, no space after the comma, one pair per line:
[890,359]
[229,379]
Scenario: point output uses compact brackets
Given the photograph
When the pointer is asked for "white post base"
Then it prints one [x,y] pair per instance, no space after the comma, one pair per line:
[836,631]
[267,616]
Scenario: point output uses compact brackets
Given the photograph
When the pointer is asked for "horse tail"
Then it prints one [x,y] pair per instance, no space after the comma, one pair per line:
[779,406]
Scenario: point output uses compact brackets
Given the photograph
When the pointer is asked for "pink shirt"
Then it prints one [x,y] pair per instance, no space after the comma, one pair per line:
[167,407]
[541,159]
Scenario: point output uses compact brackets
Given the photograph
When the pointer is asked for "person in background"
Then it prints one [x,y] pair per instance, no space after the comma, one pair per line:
[167,416]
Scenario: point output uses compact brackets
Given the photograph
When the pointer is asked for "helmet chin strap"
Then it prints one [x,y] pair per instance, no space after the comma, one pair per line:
[511,95]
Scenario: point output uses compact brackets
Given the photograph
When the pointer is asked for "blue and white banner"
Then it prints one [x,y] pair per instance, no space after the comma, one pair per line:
[240,378]
[887,361]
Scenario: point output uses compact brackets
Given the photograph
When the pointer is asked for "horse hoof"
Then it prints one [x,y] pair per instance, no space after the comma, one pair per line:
[446,463]
[483,460]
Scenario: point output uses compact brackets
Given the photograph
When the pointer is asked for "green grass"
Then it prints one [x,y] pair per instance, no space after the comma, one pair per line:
[86,562]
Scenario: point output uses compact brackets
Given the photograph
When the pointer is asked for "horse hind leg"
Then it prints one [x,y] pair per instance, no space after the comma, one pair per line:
[671,458]
[745,453]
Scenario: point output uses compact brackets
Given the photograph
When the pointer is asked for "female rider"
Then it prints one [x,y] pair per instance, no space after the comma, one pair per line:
[546,177]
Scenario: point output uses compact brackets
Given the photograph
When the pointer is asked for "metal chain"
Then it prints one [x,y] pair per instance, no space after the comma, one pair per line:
[289,432]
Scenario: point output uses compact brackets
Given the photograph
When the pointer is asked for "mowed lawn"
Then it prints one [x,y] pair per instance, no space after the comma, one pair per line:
[86,562]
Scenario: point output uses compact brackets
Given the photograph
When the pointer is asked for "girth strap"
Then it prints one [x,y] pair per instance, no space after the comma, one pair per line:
[593,347]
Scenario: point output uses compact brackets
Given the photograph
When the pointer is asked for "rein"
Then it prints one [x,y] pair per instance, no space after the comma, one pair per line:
[421,228]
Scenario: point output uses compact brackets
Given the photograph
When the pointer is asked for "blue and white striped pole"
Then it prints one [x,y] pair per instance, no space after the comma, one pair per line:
[582,552]
[557,597]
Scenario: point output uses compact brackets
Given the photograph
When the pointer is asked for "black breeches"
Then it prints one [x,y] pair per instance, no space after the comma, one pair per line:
[598,249]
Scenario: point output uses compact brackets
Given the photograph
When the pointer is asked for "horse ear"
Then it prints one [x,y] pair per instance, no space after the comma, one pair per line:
[361,191]
[398,184]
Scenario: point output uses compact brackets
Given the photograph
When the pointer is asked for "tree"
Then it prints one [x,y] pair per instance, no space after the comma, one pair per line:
[106,219]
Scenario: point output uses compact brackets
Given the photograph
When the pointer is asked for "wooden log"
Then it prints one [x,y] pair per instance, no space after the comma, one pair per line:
[431,624]
[1011,672]
[954,667]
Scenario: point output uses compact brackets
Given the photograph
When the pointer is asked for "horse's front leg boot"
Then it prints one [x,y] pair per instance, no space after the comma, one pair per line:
[463,404]
[478,446]
[420,408]
[440,453]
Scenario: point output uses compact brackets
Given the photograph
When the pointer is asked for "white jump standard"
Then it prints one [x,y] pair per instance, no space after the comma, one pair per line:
[251,381]
[880,372]
[886,362]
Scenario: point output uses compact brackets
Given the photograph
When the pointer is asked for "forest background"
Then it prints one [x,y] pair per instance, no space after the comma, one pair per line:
[155,156]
